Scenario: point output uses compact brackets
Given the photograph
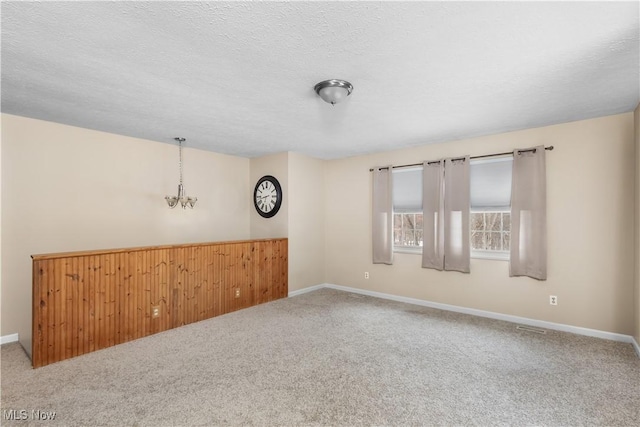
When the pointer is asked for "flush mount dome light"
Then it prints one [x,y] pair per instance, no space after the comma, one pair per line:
[333,91]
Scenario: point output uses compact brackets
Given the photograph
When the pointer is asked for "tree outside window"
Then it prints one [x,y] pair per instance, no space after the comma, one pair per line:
[490,231]
[407,230]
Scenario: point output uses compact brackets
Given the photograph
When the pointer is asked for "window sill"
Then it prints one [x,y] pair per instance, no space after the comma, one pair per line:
[407,250]
[498,256]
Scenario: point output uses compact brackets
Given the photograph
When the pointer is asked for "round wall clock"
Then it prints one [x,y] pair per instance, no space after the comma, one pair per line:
[267,196]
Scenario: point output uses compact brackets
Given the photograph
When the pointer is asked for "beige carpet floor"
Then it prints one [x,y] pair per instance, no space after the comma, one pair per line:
[334,358]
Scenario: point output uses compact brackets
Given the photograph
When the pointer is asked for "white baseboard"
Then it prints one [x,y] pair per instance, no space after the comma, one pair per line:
[636,346]
[305,290]
[482,313]
[8,338]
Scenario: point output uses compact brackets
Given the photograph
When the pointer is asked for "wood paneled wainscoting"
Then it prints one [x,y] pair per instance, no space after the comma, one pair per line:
[87,301]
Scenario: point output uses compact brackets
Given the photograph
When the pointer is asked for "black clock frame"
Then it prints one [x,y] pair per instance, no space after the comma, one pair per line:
[276,208]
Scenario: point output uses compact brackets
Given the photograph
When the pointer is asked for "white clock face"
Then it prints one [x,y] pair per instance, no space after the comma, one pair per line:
[266,196]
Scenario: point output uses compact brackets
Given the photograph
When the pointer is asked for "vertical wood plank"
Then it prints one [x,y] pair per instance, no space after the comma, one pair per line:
[134,293]
[120,265]
[255,276]
[227,266]
[204,283]
[77,267]
[163,296]
[45,266]
[83,266]
[217,281]
[266,271]
[236,269]
[143,287]
[176,260]
[99,321]
[275,272]
[124,298]
[244,280]
[72,295]
[163,288]
[231,279]
[145,304]
[101,301]
[133,296]
[53,313]
[41,271]
[94,301]
[198,285]
[36,313]
[153,292]
[95,262]
[201,283]
[109,300]
[207,278]
[131,308]
[47,328]
[64,316]
[190,287]
[283,264]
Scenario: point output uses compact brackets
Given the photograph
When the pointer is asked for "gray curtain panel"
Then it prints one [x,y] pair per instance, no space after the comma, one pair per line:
[382,216]
[432,214]
[529,215]
[445,215]
[456,214]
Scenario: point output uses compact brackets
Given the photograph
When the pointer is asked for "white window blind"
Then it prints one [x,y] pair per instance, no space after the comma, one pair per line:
[407,190]
[491,184]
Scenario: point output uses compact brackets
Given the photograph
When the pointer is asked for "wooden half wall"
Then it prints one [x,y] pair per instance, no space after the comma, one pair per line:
[87,301]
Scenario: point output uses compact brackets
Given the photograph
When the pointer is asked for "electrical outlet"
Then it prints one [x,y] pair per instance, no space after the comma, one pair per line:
[366,274]
[553,300]
[155,311]
[237,292]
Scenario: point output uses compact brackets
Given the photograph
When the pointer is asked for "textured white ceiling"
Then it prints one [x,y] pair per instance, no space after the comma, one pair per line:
[237,78]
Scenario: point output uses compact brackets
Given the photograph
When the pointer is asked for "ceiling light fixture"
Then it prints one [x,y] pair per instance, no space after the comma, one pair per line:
[333,91]
[185,201]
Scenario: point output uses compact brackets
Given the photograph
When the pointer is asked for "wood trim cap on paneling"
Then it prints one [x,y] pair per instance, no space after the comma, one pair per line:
[144,248]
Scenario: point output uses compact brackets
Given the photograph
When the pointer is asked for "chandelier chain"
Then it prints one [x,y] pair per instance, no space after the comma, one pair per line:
[180,161]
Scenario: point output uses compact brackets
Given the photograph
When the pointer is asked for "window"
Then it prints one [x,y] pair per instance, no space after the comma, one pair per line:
[490,218]
[407,209]
[490,232]
[407,230]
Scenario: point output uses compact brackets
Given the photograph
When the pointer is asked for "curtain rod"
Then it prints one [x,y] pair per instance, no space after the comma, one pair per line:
[472,157]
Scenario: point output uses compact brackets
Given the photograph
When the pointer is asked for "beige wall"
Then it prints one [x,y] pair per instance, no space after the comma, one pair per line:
[276,165]
[2,330]
[306,221]
[590,212]
[636,121]
[301,216]
[65,188]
